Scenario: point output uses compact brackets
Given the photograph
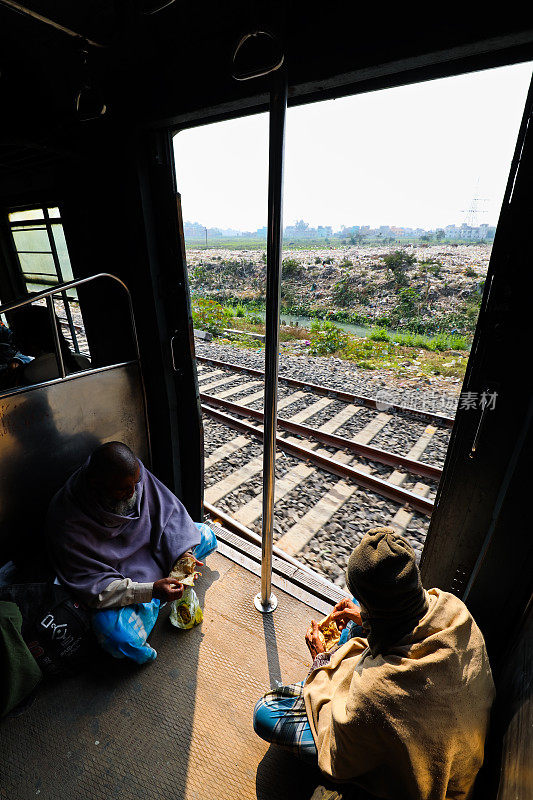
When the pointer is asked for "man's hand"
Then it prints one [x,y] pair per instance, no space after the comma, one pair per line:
[312,640]
[167,589]
[198,563]
[344,612]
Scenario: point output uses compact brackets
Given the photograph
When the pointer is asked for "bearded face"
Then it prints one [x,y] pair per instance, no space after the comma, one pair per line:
[121,507]
[116,491]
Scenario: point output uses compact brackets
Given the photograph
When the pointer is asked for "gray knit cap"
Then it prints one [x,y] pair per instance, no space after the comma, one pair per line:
[383,575]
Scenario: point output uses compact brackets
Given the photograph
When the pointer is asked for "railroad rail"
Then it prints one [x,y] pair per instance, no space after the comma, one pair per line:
[347,397]
[352,463]
[378,485]
[330,439]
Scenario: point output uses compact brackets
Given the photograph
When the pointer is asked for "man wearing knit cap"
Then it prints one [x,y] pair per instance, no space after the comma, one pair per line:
[402,707]
[382,573]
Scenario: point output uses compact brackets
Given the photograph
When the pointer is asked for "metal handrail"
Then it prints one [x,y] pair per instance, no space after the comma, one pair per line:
[64,287]
[57,342]
[60,288]
[265,601]
[29,12]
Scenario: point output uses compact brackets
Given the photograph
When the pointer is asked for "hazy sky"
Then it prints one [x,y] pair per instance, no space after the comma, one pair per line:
[413,156]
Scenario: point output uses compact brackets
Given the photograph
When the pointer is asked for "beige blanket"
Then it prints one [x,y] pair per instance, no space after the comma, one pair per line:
[410,724]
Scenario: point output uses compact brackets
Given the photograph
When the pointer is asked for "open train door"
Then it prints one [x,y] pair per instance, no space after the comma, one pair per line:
[485,460]
[479,544]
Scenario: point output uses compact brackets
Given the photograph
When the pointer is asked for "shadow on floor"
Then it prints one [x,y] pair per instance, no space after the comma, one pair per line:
[179,727]
[281,775]
[271,647]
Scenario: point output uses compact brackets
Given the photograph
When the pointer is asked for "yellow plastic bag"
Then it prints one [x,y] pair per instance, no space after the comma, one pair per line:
[186,612]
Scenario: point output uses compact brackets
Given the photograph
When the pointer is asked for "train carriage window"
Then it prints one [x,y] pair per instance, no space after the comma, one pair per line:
[34,344]
[41,247]
[29,349]
[44,261]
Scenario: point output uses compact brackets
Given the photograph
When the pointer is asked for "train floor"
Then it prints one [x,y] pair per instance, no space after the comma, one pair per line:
[179,728]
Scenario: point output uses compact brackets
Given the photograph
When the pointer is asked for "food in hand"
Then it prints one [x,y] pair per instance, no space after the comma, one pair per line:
[328,633]
[184,570]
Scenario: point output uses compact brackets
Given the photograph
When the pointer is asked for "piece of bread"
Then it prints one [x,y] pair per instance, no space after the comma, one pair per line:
[184,570]
[328,633]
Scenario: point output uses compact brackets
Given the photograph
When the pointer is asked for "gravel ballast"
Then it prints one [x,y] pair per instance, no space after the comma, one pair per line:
[421,393]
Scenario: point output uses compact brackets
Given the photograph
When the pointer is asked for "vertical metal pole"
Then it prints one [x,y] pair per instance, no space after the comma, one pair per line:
[53,319]
[59,272]
[266,601]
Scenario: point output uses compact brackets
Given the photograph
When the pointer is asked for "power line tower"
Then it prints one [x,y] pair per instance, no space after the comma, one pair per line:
[476,207]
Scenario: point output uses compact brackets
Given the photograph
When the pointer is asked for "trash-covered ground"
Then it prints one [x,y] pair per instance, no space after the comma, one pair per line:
[444,278]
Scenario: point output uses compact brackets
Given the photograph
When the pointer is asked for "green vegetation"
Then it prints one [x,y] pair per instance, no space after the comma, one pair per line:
[461,321]
[343,293]
[219,273]
[405,353]
[240,269]
[290,268]
[407,306]
[439,343]
[382,350]
[404,360]
[326,338]
[358,239]
[288,296]
[431,266]
[419,320]
[208,315]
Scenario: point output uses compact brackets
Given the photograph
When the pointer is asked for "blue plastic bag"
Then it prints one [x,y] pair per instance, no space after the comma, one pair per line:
[122,632]
[208,542]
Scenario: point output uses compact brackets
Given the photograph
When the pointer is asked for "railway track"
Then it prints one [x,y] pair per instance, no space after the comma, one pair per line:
[342,448]
[331,464]
[348,397]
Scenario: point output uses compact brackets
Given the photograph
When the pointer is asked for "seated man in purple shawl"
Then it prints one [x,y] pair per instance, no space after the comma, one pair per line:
[114,532]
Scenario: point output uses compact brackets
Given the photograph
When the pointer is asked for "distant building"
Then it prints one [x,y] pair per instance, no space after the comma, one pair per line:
[193,230]
[301,230]
[467,232]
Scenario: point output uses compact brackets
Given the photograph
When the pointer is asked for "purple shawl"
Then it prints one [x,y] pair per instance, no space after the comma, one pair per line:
[90,547]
